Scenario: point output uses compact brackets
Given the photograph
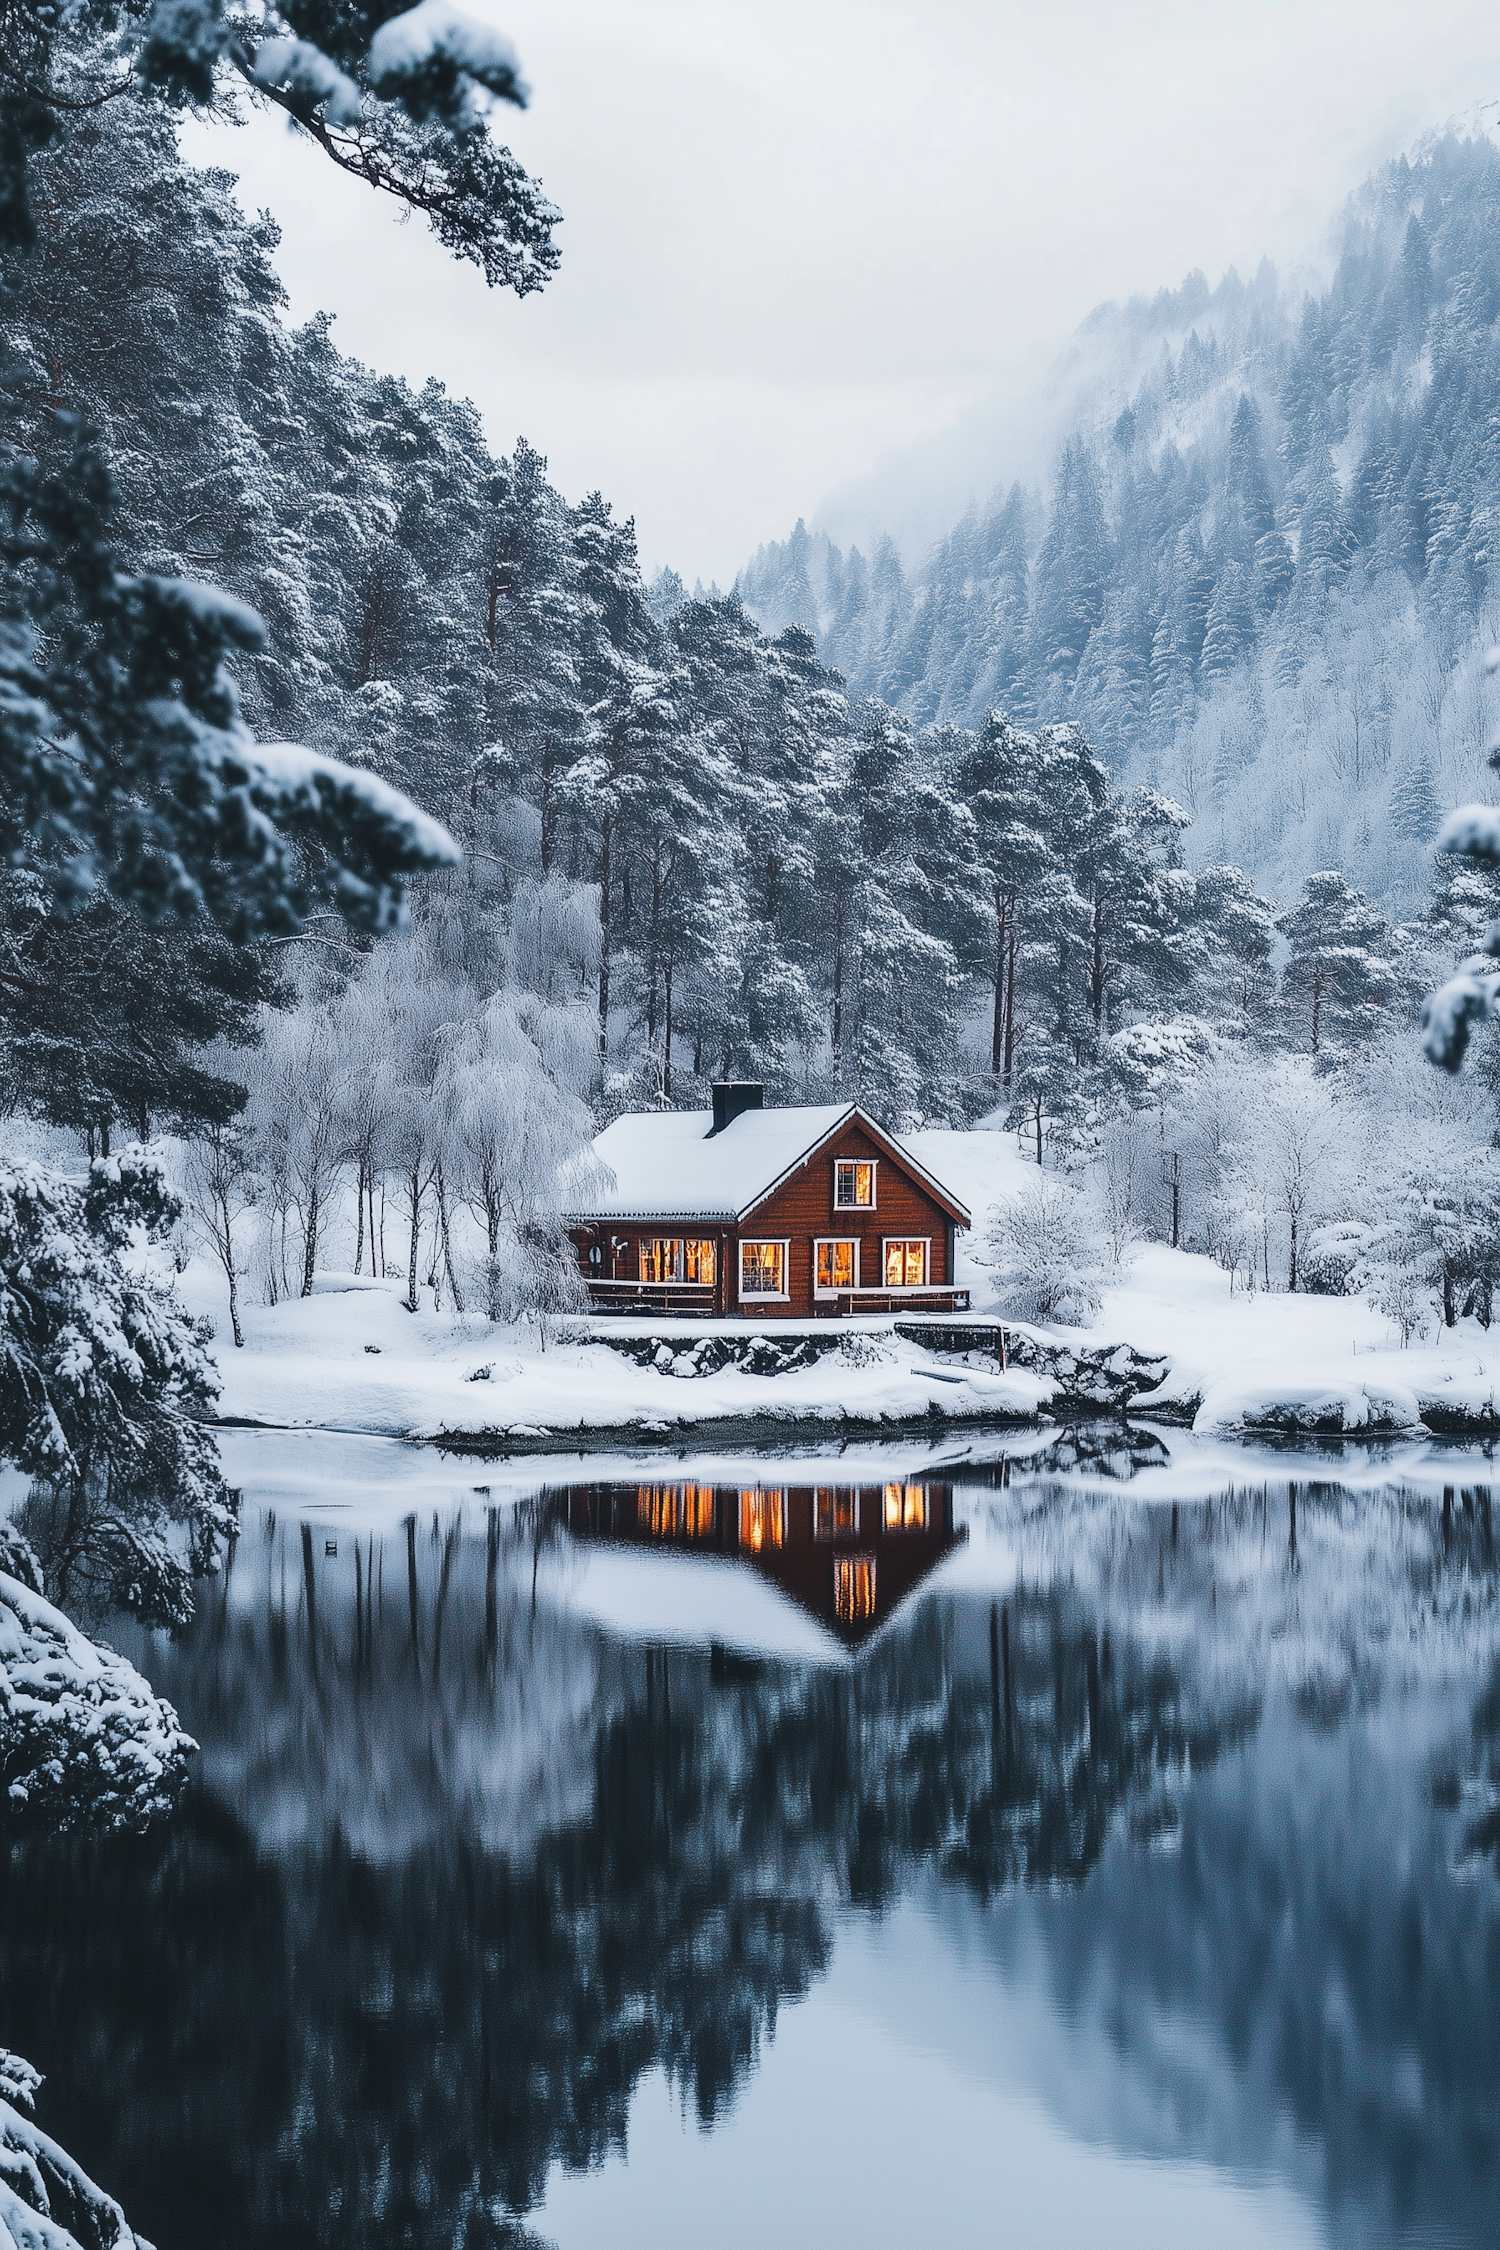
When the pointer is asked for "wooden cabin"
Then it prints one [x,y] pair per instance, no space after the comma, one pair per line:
[764,1213]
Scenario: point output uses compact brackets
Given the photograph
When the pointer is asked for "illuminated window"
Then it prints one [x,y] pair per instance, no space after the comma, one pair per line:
[853,1588]
[676,1511]
[762,1269]
[835,1513]
[699,1262]
[906,1265]
[853,1186]
[677,1261]
[836,1265]
[906,1507]
[762,1520]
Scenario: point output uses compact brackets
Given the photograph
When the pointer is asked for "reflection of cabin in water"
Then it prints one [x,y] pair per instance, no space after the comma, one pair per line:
[764,1211]
[849,1554]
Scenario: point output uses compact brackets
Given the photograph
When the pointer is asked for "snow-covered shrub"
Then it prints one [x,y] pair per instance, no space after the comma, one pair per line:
[46,2201]
[103,1381]
[83,1741]
[1044,1255]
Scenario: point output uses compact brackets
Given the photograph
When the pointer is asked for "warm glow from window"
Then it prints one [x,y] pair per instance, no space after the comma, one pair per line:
[762,1269]
[762,1520]
[835,1265]
[853,1588]
[835,1513]
[853,1186]
[676,1511]
[906,1507]
[677,1261]
[906,1265]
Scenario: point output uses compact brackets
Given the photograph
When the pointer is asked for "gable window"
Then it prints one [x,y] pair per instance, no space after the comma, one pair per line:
[853,1588]
[677,1261]
[762,1520]
[835,1512]
[906,1507]
[906,1264]
[853,1185]
[763,1269]
[837,1266]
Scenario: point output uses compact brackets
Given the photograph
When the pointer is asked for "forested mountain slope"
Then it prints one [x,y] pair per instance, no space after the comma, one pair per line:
[1264,569]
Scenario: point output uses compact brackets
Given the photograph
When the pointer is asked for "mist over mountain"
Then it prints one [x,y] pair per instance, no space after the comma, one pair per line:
[1259,569]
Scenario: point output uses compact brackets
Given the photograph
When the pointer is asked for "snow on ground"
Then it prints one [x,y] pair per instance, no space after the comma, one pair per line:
[352,1358]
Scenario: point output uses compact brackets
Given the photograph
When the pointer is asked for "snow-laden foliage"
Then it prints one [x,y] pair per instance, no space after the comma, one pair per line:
[47,2202]
[103,1383]
[1044,1255]
[83,1741]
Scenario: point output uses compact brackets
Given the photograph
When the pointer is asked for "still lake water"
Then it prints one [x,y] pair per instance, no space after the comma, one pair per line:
[1095,1843]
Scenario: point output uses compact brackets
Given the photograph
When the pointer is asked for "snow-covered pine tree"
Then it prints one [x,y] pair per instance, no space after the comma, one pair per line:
[104,1387]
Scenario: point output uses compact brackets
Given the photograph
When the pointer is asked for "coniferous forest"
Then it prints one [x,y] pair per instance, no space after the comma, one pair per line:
[376,831]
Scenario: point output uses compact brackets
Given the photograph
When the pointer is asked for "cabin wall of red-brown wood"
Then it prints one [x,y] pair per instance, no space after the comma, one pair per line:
[802,1211]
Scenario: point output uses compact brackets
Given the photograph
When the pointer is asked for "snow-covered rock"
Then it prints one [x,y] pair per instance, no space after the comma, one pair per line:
[47,2202]
[83,1741]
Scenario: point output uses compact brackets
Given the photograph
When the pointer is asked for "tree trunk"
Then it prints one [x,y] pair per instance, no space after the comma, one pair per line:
[1096,969]
[1039,1131]
[1317,1006]
[997,1032]
[310,1243]
[604,890]
[838,986]
[1291,1277]
[359,1205]
[227,1254]
[655,951]
[415,1187]
[666,1052]
[442,1201]
[1010,1010]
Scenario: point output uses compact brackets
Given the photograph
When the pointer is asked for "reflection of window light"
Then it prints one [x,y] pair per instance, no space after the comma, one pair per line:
[835,1265]
[676,1511]
[853,1588]
[906,1265]
[906,1507]
[853,1186]
[762,1269]
[835,1513]
[762,1520]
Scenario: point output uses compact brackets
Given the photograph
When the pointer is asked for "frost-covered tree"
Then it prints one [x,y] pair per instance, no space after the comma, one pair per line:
[1043,1252]
[104,1387]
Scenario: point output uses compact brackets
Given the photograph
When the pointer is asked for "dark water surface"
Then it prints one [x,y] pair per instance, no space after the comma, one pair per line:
[1100,1845]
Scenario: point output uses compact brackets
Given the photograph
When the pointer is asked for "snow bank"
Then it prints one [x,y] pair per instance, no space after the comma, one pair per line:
[83,1741]
[1316,1403]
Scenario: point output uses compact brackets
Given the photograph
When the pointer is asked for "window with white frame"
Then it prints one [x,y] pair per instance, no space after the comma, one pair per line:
[836,1265]
[853,1185]
[763,1269]
[906,1263]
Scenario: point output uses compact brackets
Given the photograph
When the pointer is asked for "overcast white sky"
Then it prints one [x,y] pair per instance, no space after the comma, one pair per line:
[801,232]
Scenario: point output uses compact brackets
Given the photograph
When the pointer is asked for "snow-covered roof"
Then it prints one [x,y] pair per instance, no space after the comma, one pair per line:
[670,1164]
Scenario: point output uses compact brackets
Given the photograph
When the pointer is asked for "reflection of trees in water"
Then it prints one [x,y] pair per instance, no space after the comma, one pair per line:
[309,2045]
